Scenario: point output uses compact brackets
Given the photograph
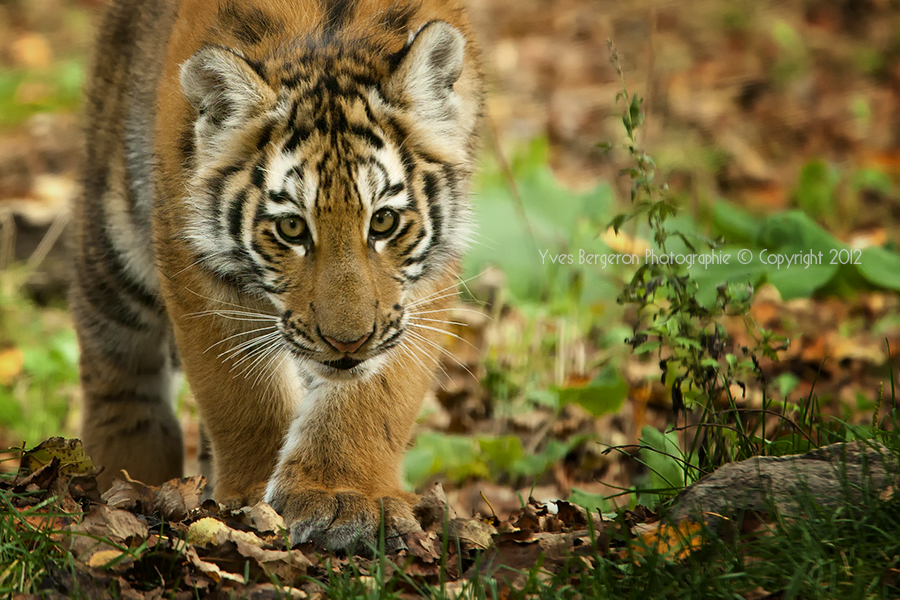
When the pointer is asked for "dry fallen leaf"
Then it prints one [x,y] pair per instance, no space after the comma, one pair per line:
[212,532]
[433,510]
[118,526]
[675,542]
[46,520]
[102,559]
[32,51]
[72,459]
[472,534]
[208,568]
[260,517]
[11,361]
[122,494]
[176,498]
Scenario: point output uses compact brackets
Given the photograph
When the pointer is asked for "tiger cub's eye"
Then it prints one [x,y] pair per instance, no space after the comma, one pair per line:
[384,222]
[293,229]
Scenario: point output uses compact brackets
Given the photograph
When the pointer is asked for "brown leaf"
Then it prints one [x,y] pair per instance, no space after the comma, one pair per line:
[528,518]
[46,519]
[640,514]
[267,591]
[471,533]
[260,517]
[85,488]
[572,515]
[208,568]
[118,526]
[207,532]
[176,498]
[40,479]
[513,558]
[173,500]
[433,510]
[286,565]
[424,545]
[123,495]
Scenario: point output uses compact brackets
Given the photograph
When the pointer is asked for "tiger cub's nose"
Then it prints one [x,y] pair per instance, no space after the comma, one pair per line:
[347,347]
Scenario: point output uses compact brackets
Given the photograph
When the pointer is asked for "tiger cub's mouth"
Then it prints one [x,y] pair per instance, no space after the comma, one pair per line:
[344,364]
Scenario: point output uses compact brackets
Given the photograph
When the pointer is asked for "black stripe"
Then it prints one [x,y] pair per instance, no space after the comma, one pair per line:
[291,81]
[186,146]
[369,114]
[258,177]
[367,134]
[248,24]
[216,187]
[400,134]
[397,16]
[277,241]
[299,135]
[391,190]
[415,242]
[404,231]
[265,136]
[265,255]
[273,290]
[337,13]
[416,260]
[107,304]
[279,198]
[396,58]
[434,209]
[452,180]
[259,216]
[126,397]
[391,341]
[236,215]
[135,289]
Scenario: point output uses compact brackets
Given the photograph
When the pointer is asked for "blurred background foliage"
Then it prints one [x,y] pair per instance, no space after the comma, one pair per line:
[775,126]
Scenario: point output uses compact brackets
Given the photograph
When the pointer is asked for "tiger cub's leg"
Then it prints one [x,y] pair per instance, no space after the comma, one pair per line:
[128,420]
[244,384]
[340,468]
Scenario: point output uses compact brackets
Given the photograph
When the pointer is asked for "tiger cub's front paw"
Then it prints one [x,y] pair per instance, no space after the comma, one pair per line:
[346,520]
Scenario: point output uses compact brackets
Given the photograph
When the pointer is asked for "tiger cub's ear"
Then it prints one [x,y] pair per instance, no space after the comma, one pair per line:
[424,78]
[224,89]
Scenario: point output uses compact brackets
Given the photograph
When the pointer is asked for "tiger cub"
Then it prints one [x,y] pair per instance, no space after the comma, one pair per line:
[275,201]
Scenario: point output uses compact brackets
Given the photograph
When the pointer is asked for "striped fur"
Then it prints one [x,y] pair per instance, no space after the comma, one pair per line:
[276,196]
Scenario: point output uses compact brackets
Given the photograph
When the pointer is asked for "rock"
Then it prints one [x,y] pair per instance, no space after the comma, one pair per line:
[832,475]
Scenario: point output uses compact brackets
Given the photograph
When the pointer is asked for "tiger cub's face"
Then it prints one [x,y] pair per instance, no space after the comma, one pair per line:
[333,184]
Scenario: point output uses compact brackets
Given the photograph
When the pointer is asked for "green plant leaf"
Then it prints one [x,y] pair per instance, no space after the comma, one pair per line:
[434,453]
[502,452]
[815,189]
[880,267]
[736,225]
[666,471]
[604,395]
[535,464]
[589,501]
